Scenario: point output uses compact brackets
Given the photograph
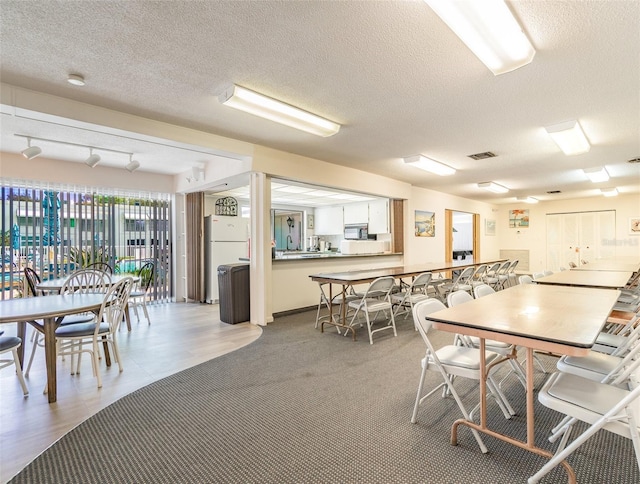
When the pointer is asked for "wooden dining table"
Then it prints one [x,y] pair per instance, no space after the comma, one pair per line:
[601,279]
[50,309]
[555,319]
[352,278]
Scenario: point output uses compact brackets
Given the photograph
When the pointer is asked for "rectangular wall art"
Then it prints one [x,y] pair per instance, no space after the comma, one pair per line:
[518,219]
[425,224]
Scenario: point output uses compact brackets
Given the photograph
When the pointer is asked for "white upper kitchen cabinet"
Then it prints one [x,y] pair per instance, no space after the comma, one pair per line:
[329,220]
[379,217]
[356,213]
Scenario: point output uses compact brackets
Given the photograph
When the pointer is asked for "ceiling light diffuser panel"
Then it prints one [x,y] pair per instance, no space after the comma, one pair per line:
[427,164]
[493,187]
[489,29]
[569,137]
[265,107]
[597,175]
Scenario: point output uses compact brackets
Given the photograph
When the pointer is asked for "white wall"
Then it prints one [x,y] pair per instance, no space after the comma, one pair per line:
[431,249]
[533,238]
[81,176]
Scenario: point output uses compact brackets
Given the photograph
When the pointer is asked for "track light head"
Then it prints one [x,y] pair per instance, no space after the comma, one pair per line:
[93,159]
[31,151]
[133,165]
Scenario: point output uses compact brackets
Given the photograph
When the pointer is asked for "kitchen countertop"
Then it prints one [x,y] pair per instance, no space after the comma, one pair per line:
[302,255]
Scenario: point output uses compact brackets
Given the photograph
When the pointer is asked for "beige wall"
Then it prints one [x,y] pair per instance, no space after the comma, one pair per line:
[252,158]
[534,237]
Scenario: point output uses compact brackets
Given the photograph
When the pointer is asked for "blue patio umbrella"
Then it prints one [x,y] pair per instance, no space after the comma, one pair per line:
[51,219]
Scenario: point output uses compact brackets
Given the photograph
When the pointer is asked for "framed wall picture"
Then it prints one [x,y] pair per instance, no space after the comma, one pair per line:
[489,227]
[425,224]
[519,219]
[634,226]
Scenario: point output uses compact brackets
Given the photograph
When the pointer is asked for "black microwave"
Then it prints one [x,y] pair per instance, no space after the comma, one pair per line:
[356,232]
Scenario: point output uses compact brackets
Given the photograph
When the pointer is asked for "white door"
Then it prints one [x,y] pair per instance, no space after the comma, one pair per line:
[579,236]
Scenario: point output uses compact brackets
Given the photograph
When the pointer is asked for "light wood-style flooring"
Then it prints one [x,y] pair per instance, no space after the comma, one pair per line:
[180,336]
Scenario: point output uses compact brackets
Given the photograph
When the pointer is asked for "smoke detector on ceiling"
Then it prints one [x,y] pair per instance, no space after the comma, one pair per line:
[482,156]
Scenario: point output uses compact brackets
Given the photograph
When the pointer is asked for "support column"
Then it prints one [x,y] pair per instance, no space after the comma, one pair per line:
[260,253]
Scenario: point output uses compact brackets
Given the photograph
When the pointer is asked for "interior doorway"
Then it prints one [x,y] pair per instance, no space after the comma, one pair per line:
[462,235]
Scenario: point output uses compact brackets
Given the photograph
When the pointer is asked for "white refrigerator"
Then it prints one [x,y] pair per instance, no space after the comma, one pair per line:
[226,242]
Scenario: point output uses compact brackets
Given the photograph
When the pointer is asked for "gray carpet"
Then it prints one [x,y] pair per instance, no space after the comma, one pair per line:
[299,406]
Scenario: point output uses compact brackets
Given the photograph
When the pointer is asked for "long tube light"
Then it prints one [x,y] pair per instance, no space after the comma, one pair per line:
[493,187]
[489,29]
[429,165]
[259,105]
[569,137]
[597,175]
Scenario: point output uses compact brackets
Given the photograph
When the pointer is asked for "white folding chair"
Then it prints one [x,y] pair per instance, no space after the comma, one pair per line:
[416,291]
[503,276]
[478,275]
[601,405]
[491,276]
[451,361]
[482,290]
[524,279]
[499,347]
[512,277]
[376,298]
[461,283]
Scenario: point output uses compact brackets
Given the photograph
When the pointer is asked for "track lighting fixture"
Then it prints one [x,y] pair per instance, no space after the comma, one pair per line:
[133,165]
[93,159]
[31,151]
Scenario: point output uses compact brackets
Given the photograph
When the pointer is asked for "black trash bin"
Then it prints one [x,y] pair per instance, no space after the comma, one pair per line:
[233,286]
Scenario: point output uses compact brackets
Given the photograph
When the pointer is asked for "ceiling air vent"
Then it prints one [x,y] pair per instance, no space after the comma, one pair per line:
[553,192]
[482,156]
[634,160]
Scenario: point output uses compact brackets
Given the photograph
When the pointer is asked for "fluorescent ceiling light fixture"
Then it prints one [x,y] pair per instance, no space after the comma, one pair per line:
[429,165]
[31,151]
[493,187]
[274,110]
[93,159]
[489,29]
[609,192]
[569,137]
[133,165]
[597,175]
[527,199]
[75,79]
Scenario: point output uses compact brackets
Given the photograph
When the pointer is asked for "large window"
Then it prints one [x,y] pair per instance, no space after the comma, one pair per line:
[55,231]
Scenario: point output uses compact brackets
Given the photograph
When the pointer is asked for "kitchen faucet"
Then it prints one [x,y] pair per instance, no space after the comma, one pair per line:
[289,239]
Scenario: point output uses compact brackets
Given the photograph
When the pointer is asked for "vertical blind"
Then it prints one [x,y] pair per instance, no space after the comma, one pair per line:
[56,229]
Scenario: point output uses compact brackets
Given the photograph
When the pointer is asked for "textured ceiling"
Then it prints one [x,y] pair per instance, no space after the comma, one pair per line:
[397,79]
